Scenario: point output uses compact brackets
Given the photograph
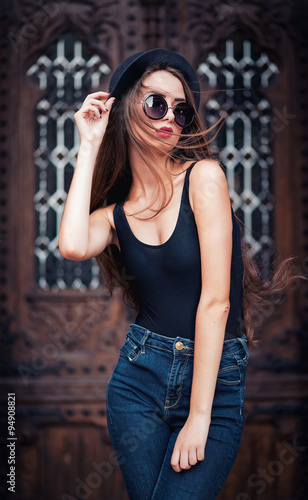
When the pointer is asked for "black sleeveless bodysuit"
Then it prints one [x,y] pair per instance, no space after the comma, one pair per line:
[167,278]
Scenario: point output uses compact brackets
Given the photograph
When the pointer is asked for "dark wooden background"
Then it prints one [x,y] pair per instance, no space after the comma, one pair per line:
[59,345]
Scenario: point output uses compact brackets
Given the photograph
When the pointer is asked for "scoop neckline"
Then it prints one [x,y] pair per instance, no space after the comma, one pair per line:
[177,221]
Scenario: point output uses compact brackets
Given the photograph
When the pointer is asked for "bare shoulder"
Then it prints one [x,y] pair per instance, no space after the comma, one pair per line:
[109,214]
[207,180]
[106,213]
[205,170]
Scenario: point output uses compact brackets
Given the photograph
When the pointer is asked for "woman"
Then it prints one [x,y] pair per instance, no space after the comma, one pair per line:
[162,227]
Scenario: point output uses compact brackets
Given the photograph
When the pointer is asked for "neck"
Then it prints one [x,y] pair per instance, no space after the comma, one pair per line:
[144,182]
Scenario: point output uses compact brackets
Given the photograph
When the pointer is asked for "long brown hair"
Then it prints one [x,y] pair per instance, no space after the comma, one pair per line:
[112,180]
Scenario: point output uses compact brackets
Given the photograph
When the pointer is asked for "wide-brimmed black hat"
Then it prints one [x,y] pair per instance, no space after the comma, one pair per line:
[134,66]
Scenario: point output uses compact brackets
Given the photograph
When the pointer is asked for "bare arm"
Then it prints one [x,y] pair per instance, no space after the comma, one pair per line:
[82,235]
[212,210]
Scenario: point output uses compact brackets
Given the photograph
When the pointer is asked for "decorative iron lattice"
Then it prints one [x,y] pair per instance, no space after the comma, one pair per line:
[67,75]
[240,74]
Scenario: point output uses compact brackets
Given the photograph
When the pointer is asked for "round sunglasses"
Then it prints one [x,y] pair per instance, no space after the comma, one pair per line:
[156,107]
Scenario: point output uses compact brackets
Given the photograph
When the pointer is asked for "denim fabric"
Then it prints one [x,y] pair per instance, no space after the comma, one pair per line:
[148,399]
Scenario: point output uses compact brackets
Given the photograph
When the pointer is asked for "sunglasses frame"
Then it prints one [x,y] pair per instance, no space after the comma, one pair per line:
[166,109]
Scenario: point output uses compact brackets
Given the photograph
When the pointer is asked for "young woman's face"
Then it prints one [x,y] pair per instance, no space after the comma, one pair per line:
[168,86]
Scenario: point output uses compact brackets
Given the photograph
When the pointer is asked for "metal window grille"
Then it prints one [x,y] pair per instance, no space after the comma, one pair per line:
[66,75]
[239,73]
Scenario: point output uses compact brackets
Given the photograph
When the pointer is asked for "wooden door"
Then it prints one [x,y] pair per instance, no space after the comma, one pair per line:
[61,332]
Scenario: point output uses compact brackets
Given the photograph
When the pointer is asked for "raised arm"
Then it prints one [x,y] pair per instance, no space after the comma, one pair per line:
[82,235]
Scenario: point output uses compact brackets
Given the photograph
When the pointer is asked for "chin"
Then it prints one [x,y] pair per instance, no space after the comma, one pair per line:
[166,146]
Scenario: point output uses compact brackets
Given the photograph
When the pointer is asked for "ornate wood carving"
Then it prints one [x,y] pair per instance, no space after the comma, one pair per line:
[267,23]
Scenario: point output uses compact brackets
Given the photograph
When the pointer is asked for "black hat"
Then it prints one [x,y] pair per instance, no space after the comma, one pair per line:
[134,66]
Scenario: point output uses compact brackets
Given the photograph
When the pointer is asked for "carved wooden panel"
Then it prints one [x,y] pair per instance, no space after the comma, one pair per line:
[59,345]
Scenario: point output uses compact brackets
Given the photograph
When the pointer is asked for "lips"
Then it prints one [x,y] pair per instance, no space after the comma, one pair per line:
[165,131]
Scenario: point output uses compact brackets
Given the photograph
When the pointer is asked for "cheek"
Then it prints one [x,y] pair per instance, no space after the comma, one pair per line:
[176,138]
[143,129]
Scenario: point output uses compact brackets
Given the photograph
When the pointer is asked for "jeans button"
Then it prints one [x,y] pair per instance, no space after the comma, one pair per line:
[179,346]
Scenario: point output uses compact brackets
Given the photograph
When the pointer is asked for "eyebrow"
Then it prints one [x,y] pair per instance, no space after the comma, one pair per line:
[176,99]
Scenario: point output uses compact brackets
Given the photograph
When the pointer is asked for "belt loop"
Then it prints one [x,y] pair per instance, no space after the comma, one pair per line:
[137,328]
[144,338]
[243,341]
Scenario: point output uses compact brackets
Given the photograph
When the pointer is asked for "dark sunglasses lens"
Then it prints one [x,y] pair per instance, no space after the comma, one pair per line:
[184,114]
[155,107]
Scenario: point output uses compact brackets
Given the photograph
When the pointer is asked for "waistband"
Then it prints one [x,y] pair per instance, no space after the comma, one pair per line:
[145,336]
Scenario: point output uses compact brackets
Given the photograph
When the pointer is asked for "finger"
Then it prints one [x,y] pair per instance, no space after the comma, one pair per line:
[101,105]
[200,453]
[88,109]
[97,95]
[109,103]
[192,457]
[175,460]
[184,463]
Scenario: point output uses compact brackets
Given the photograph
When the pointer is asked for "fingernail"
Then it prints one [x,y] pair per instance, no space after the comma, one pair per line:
[106,109]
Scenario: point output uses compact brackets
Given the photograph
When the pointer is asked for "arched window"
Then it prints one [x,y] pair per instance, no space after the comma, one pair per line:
[66,75]
[240,73]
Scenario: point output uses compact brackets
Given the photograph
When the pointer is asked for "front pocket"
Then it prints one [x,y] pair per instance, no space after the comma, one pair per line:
[229,373]
[130,349]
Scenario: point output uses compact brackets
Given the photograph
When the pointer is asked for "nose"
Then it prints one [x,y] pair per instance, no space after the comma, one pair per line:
[169,115]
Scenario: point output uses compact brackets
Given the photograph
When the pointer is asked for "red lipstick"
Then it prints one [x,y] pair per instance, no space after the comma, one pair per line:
[165,131]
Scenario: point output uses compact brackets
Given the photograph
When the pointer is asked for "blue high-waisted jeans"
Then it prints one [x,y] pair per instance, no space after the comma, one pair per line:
[148,399]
